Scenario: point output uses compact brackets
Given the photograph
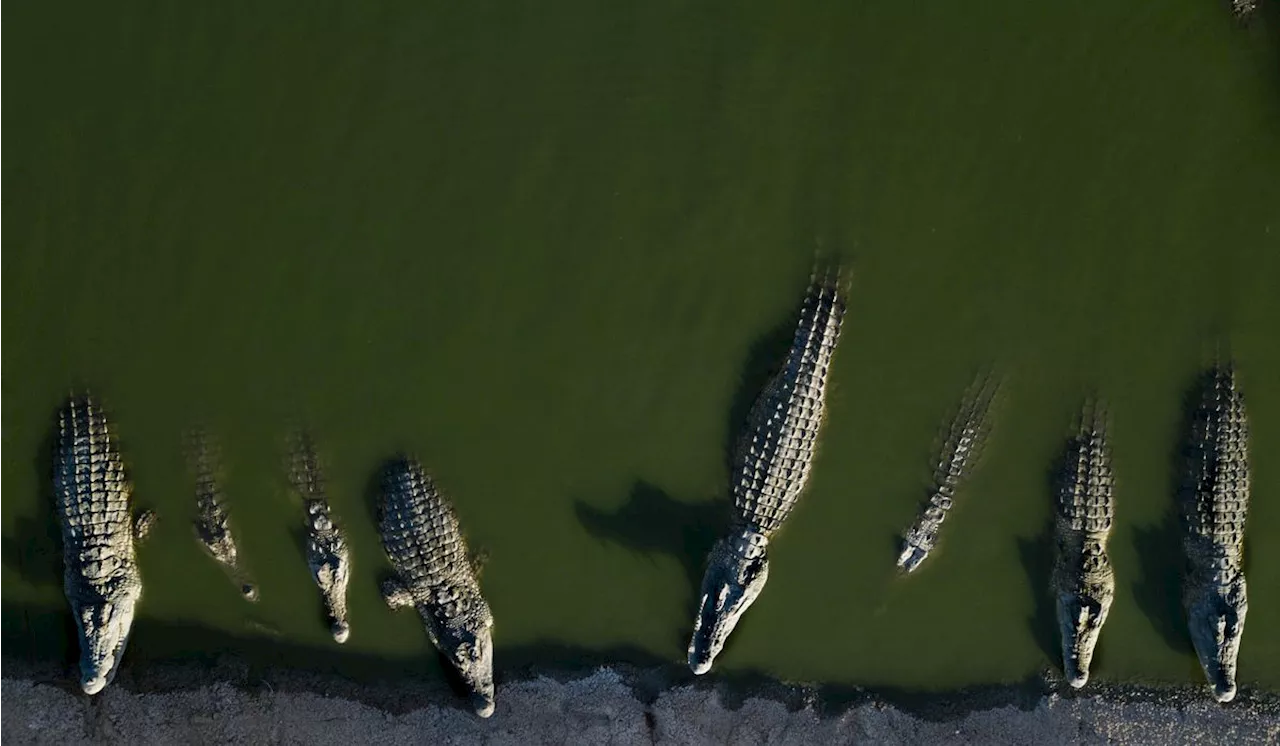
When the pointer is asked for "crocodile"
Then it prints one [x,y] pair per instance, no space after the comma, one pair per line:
[1084,582]
[93,498]
[959,454]
[434,574]
[213,526]
[1243,10]
[1214,499]
[328,555]
[769,469]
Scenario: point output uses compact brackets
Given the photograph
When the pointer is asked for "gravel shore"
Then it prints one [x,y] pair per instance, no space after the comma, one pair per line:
[619,705]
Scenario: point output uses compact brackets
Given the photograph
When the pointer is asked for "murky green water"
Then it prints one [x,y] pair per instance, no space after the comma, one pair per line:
[546,246]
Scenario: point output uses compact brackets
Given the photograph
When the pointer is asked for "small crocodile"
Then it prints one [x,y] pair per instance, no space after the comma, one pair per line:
[434,574]
[1084,583]
[770,467]
[1243,10]
[1215,497]
[960,450]
[213,526]
[328,556]
[93,498]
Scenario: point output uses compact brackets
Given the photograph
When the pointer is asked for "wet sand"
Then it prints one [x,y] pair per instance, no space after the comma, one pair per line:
[228,703]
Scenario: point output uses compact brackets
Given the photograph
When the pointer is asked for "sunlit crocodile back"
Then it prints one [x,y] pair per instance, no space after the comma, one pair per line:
[776,451]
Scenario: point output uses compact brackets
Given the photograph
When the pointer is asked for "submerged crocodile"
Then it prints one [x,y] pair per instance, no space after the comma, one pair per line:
[960,450]
[1084,583]
[1243,10]
[328,557]
[213,526]
[1214,501]
[434,575]
[769,470]
[100,566]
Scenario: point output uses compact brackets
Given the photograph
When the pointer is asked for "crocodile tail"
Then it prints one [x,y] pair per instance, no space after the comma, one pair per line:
[203,457]
[831,276]
[1086,489]
[965,436]
[1216,487]
[823,312]
[305,474]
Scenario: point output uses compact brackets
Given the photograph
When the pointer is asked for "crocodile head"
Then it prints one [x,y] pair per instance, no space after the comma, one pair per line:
[469,647]
[104,631]
[332,574]
[1082,610]
[1080,619]
[1216,620]
[340,630]
[736,573]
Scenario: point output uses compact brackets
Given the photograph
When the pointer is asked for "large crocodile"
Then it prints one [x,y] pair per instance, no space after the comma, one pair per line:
[959,454]
[213,526]
[769,470]
[1214,500]
[434,574]
[100,566]
[328,556]
[1084,583]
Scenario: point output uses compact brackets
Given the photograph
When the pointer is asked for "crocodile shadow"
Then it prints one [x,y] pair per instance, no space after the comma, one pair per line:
[34,551]
[1158,592]
[373,492]
[175,656]
[1037,556]
[652,522]
[764,359]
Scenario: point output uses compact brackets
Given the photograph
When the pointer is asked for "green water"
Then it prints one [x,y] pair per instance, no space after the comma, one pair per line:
[546,246]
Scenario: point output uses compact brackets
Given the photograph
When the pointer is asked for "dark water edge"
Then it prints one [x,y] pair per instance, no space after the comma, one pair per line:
[399,686]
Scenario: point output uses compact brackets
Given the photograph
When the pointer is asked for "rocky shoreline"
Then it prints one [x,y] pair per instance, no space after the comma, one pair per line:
[231,703]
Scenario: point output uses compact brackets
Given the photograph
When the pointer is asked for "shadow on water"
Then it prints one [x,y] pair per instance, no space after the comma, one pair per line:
[1036,556]
[765,358]
[34,551]
[652,522]
[181,656]
[1158,591]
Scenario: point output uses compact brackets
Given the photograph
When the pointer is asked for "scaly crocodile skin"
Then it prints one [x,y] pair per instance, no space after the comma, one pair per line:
[328,556]
[770,468]
[434,574]
[213,525]
[1243,10]
[1084,583]
[959,455]
[776,450]
[100,567]
[1215,501]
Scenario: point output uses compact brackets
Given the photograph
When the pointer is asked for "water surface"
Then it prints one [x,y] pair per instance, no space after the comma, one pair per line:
[549,250]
